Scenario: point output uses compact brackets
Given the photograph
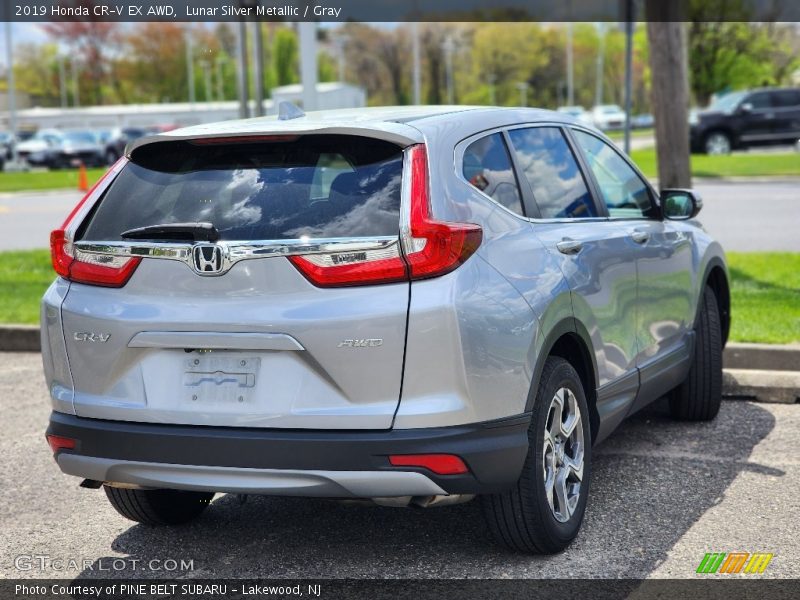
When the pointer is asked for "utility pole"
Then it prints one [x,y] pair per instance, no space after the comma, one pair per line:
[570,68]
[308,64]
[629,20]
[491,79]
[242,78]
[62,80]
[415,55]
[190,65]
[76,92]
[666,36]
[220,82]
[522,86]
[598,92]
[209,89]
[258,67]
[448,48]
[12,92]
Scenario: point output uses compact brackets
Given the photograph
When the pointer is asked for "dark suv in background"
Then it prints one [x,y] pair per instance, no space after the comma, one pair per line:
[748,118]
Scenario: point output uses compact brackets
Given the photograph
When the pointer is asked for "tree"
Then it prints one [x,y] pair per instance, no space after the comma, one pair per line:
[394,54]
[286,56]
[91,42]
[728,53]
[36,72]
[670,91]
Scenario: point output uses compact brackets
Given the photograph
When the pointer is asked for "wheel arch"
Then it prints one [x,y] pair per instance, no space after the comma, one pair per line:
[716,277]
[569,339]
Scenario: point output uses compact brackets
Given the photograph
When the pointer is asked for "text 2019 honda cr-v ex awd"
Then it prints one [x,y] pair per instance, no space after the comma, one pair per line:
[410,305]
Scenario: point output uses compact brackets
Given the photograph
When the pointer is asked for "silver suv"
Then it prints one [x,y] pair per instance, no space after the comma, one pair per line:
[410,305]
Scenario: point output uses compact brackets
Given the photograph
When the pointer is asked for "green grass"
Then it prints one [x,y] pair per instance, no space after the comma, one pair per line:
[765,293]
[732,165]
[22,181]
[24,276]
[635,133]
[765,297]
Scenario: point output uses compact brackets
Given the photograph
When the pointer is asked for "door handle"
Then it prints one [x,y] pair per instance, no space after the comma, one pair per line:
[568,246]
[640,237]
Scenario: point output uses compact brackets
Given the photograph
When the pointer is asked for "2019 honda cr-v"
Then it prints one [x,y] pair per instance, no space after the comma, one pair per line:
[411,305]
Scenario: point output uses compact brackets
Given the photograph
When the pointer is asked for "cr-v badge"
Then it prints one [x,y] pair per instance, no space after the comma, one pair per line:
[90,336]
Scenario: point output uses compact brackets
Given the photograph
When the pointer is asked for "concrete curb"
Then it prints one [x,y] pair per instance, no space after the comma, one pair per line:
[762,372]
[19,338]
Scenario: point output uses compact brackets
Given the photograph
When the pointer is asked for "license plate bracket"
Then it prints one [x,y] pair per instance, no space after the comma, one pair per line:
[220,380]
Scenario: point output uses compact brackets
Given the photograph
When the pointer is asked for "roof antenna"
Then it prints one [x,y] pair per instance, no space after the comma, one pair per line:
[289,110]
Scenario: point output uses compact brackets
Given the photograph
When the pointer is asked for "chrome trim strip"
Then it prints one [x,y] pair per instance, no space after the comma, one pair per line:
[215,340]
[234,251]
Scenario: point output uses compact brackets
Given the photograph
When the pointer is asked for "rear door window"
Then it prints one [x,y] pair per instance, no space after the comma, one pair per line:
[786,99]
[487,166]
[548,164]
[316,186]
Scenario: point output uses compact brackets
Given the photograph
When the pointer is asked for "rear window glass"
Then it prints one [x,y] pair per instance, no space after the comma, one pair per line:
[317,186]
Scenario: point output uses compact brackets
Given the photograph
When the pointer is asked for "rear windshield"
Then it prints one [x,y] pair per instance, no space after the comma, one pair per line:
[315,186]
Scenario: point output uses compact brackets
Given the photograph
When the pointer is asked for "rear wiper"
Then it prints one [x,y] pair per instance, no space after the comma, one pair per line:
[184,232]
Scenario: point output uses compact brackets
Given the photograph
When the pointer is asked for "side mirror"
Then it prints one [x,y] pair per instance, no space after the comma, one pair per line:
[680,205]
[745,107]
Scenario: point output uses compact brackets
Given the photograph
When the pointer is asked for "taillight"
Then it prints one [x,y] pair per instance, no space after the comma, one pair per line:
[434,248]
[85,267]
[437,247]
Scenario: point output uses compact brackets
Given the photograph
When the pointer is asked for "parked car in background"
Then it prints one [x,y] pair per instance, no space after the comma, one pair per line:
[760,117]
[79,147]
[577,112]
[643,121]
[118,138]
[41,149]
[608,116]
[7,142]
[413,305]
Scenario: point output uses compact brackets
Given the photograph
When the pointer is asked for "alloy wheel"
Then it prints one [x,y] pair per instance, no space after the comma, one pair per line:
[562,458]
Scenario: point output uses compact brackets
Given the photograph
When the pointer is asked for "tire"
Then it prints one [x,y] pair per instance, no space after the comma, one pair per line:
[522,518]
[111,158]
[717,142]
[158,507]
[698,398]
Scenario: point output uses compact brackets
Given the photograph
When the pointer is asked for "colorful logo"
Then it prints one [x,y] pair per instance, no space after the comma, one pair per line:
[734,562]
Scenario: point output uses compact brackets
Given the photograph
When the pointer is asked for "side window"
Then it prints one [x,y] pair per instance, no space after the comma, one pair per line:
[487,166]
[552,172]
[625,193]
[760,101]
[787,99]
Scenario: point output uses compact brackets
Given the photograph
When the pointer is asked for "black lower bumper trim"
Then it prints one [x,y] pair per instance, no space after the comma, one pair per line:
[494,451]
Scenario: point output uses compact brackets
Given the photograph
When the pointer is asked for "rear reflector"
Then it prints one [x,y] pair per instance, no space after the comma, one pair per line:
[432,248]
[441,464]
[58,442]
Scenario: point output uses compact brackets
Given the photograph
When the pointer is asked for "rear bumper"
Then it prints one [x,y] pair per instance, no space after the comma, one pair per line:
[291,462]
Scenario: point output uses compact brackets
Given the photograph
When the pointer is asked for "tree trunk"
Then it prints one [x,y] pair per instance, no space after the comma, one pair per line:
[670,93]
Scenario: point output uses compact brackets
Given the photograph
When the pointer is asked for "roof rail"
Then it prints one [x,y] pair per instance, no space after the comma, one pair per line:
[289,110]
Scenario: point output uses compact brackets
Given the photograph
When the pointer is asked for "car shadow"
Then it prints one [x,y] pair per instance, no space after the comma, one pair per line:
[652,480]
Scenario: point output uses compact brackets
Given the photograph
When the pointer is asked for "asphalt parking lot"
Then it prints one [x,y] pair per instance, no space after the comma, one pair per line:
[663,494]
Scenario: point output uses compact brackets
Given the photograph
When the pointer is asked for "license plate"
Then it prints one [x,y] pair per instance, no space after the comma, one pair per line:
[220,379]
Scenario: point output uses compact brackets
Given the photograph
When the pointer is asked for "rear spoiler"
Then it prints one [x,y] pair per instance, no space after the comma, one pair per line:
[397,133]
